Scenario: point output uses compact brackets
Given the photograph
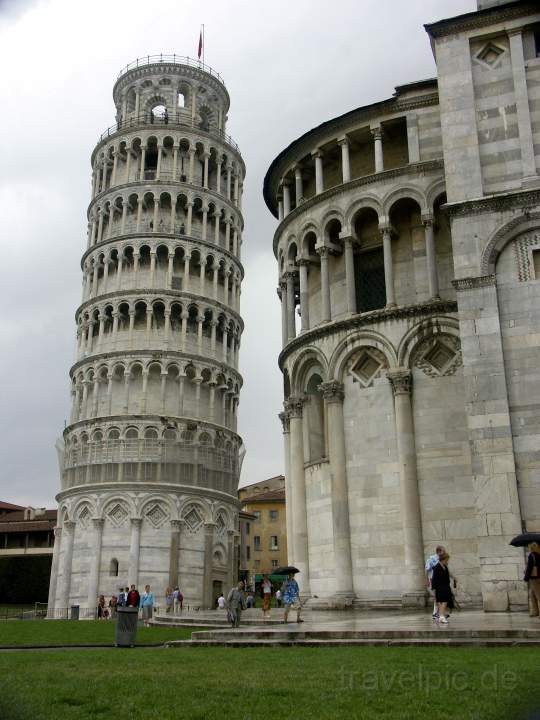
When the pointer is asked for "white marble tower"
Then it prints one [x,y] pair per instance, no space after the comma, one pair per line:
[150,458]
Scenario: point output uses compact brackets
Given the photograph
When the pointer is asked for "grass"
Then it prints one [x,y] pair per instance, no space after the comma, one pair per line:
[245,683]
[83,632]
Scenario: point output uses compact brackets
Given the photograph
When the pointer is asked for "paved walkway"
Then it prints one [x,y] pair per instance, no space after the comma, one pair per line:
[366,627]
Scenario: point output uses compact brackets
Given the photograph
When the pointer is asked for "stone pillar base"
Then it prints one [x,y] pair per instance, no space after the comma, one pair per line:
[413,600]
[339,601]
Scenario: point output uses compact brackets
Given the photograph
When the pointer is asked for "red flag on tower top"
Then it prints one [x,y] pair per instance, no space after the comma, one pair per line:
[200,45]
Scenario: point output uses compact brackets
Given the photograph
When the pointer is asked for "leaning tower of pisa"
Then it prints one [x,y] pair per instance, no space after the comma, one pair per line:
[150,458]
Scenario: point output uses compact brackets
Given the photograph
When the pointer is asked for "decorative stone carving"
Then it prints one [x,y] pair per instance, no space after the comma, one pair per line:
[294,407]
[522,247]
[366,366]
[333,391]
[193,518]
[438,355]
[156,515]
[473,283]
[284,417]
[118,514]
[84,516]
[401,381]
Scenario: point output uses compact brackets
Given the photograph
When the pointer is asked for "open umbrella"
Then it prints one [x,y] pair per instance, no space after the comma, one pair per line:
[525,539]
[286,570]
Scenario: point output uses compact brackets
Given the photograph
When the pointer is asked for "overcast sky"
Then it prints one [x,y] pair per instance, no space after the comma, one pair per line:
[288,65]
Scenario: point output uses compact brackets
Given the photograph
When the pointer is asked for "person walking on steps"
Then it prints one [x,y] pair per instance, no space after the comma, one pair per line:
[532,576]
[440,583]
[430,564]
[235,604]
[291,598]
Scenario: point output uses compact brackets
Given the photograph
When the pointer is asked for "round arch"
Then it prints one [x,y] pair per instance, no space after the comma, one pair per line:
[499,239]
[352,343]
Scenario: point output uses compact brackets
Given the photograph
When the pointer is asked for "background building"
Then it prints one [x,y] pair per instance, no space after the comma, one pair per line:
[266,534]
[26,549]
[150,458]
[409,238]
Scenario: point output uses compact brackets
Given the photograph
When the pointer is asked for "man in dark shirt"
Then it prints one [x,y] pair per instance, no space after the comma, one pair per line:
[133,598]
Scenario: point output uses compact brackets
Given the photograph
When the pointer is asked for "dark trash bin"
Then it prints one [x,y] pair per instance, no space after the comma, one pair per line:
[74,614]
[126,626]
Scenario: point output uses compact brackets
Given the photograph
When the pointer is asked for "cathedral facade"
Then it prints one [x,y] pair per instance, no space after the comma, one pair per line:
[408,251]
[150,458]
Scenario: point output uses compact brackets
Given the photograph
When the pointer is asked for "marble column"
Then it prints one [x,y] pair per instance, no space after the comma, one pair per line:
[334,394]
[68,536]
[291,306]
[174,553]
[349,274]
[286,197]
[522,92]
[326,309]
[388,267]
[134,551]
[319,174]
[378,148]
[343,142]
[298,185]
[431,258]
[282,294]
[294,408]
[303,264]
[51,602]
[411,518]
[285,421]
[209,528]
[95,563]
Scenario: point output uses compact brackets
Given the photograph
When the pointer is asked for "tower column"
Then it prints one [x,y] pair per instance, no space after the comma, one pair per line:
[134,551]
[294,407]
[68,535]
[95,563]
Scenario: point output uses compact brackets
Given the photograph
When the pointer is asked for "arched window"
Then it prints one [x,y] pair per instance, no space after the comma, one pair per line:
[314,414]
[113,568]
[181,100]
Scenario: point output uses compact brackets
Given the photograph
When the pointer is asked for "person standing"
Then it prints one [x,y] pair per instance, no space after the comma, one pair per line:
[532,576]
[440,582]
[177,600]
[101,607]
[291,598]
[278,598]
[133,598]
[147,605]
[235,604]
[266,592]
[221,602]
[169,600]
[122,597]
[430,564]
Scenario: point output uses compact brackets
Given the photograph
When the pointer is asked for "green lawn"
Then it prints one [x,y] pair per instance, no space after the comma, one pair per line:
[82,632]
[249,683]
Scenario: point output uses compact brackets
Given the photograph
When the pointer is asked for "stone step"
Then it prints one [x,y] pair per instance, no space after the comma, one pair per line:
[371,642]
[348,635]
[209,621]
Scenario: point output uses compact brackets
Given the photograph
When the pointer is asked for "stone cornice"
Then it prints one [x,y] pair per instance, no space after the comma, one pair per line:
[159,293]
[153,487]
[171,186]
[494,203]
[482,18]
[385,175]
[127,419]
[163,236]
[338,127]
[432,307]
[213,138]
[156,355]
[473,283]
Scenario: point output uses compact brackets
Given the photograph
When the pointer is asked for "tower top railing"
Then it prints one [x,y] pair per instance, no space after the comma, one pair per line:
[175,59]
[135,121]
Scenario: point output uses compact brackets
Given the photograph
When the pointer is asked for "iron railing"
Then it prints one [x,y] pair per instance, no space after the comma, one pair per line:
[176,121]
[174,59]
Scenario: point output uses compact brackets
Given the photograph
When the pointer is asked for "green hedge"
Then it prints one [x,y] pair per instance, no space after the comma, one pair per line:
[25,579]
